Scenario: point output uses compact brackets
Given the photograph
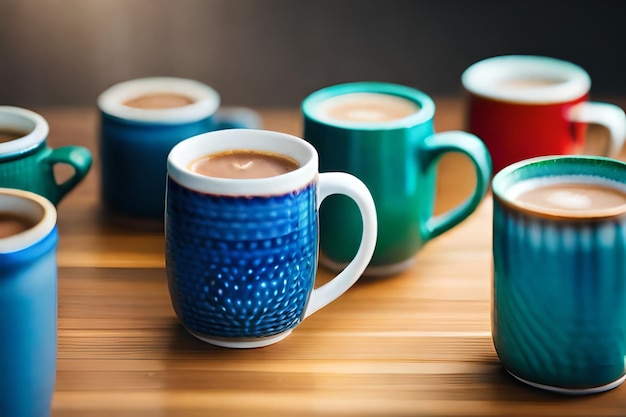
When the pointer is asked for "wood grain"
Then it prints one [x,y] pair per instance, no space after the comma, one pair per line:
[413,344]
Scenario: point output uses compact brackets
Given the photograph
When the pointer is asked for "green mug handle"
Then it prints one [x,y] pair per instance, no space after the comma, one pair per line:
[78,158]
[431,151]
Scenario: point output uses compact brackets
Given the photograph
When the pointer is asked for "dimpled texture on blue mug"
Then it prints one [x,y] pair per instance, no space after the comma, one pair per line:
[240,266]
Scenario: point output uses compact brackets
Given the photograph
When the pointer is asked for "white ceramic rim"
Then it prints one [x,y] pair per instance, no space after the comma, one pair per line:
[31,205]
[26,120]
[571,391]
[241,342]
[189,150]
[483,77]
[207,100]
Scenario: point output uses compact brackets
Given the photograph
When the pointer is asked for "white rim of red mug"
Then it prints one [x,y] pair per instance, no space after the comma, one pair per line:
[22,120]
[189,150]
[206,100]
[482,79]
[32,206]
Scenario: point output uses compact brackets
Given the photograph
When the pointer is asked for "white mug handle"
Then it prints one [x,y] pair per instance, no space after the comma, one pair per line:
[342,183]
[608,115]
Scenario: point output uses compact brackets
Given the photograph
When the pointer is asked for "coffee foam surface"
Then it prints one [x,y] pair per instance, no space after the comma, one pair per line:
[368,108]
[566,202]
[206,100]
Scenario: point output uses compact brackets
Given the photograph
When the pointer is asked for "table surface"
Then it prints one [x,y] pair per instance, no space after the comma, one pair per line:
[417,343]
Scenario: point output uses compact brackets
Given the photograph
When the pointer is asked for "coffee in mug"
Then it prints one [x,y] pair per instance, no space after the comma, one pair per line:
[244,164]
[159,101]
[562,196]
[526,83]
[241,254]
[7,135]
[28,296]
[13,224]
[28,163]
[559,300]
[366,108]
[525,106]
[141,121]
[384,135]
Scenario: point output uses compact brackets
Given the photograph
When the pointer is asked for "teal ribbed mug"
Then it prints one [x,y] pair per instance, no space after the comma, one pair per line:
[27,163]
[559,285]
[384,135]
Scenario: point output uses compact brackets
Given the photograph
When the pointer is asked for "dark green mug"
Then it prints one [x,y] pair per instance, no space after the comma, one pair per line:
[27,163]
[383,134]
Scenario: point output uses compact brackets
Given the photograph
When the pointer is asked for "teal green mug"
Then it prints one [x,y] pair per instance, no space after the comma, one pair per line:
[559,284]
[27,163]
[383,134]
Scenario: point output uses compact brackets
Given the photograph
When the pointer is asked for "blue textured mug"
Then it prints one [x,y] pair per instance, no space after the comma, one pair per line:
[28,303]
[241,254]
[135,141]
[559,287]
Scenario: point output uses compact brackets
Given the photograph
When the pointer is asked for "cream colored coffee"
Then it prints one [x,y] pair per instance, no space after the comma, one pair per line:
[367,108]
[529,83]
[13,224]
[243,164]
[7,135]
[575,199]
[157,101]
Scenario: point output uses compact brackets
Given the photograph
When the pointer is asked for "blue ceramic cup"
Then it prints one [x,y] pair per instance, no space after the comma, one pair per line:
[241,254]
[559,287]
[28,303]
[141,121]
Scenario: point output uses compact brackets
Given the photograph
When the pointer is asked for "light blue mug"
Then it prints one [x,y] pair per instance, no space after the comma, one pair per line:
[28,303]
[559,287]
[135,141]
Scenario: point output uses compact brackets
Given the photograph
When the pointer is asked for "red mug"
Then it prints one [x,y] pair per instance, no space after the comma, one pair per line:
[523,106]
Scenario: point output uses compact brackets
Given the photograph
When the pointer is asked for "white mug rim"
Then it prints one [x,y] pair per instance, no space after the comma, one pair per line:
[207,100]
[482,77]
[22,203]
[189,150]
[22,119]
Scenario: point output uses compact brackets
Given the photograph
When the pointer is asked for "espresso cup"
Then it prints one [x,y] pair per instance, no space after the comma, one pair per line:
[559,254]
[241,250]
[28,299]
[27,163]
[141,121]
[383,134]
[524,106]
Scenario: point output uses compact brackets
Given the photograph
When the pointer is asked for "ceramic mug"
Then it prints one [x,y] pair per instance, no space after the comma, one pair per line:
[559,253]
[27,162]
[524,106]
[141,121]
[397,160]
[241,254]
[28,298]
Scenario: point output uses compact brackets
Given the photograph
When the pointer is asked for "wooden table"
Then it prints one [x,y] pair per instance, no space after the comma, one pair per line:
[408,345]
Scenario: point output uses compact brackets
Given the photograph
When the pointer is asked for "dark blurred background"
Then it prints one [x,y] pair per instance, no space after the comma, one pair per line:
[272,53]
